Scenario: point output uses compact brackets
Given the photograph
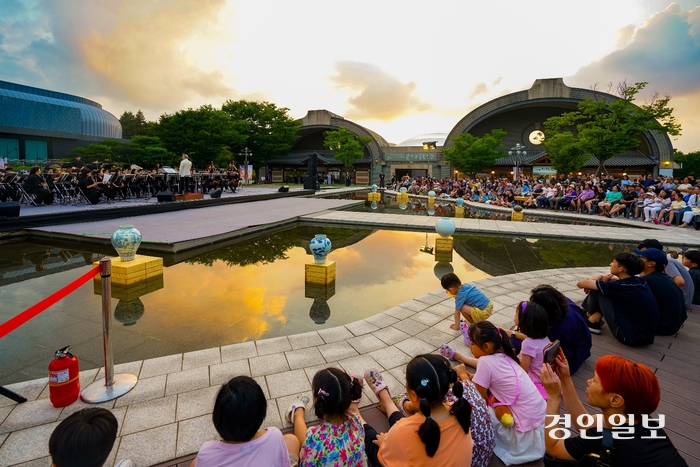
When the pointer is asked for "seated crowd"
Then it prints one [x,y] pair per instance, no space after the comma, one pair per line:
[661,200]
[447,416]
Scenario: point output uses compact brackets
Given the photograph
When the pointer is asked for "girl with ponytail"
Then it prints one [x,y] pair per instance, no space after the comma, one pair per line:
[437,434]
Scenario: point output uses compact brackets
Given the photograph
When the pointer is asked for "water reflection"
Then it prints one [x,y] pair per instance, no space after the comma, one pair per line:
[250,290]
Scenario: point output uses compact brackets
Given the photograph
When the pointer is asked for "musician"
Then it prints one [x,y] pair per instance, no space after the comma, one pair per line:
[90,186]
[235,180]
[36,185]
[77,163]
[185,174]
[116,186]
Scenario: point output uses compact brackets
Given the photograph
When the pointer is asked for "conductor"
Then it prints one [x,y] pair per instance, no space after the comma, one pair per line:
[185,168]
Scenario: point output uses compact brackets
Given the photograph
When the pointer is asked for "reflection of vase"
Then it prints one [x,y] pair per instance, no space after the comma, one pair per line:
[441,268]
[373,205]
[126,241]
[320,311]
[445,227]
[128,312]
[431,212]
[459,202]
[320,246]
[403,206]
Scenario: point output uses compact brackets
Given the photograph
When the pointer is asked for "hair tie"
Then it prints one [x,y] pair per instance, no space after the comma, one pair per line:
[523,305]
[424,382]
[322,393]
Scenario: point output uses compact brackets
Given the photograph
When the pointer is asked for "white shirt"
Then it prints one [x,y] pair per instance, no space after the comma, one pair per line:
[185,166]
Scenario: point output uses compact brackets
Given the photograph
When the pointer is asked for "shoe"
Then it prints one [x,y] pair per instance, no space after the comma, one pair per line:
[124,463]
[597,327]
[667,224]
[464,328]
[374,378]
[399,401]
[655,221]
[447,351]
[647,220]
[299,403]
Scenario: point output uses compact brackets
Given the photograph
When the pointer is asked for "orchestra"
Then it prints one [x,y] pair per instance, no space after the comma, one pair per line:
[82,184]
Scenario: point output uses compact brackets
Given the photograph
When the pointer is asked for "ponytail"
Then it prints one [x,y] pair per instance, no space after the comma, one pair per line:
[429,431]
[485,331]
[461,407]
[507,346]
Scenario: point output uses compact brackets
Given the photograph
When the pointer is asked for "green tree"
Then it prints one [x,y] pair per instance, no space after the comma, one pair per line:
[269,129]
[566,152]
[108,148]
[203,133]
[690,161]
[346,146]
[133,125]
[472,154]
[605,128]
[147,151]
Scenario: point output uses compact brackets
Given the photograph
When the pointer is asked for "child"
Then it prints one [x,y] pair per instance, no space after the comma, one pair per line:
[339,440]
[691,260]
[533,323]
[499,373]
[239,410]
[470,302]
[438,435]
[85,438]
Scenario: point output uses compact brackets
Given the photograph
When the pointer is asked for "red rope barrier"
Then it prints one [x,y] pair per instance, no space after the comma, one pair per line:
[13,323]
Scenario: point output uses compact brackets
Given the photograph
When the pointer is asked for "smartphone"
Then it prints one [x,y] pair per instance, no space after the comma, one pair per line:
[551,351]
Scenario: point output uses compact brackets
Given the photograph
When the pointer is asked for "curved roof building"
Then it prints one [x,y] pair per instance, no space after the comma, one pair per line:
[38,124]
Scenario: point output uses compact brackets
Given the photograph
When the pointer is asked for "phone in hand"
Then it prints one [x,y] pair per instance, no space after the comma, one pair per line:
[551,352]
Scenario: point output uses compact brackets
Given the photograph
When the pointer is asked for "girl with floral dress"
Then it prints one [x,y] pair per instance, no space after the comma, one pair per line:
[339,440]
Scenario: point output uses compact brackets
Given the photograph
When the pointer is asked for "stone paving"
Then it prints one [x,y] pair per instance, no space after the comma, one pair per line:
[168,413]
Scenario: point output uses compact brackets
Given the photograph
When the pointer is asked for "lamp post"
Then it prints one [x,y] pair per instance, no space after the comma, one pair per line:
[245,153]
[517,151]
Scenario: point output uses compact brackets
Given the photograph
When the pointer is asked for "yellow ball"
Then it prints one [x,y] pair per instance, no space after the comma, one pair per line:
[507,420]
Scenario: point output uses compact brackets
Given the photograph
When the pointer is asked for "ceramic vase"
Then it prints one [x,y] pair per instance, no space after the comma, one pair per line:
[445,227]
[373,205]
[432,194]
[126,241]
[374,188]
[320,246]
[459,202]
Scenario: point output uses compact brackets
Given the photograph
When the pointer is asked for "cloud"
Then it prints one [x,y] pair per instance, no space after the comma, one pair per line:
[478,89]
[497,81]
[665,51]
[132,52]
[381,95]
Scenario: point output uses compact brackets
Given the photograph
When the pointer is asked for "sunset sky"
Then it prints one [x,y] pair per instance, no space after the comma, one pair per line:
[400,68]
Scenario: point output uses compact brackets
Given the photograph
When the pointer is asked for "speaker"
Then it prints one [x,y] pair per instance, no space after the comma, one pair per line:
[216,193]
[9,209]
[283,189]
[165,196]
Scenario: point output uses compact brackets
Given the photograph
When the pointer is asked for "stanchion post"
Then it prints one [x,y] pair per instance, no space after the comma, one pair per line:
[114,385]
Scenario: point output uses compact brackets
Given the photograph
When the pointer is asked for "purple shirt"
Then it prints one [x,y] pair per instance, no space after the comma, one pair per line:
[573,335]
[587,194]
[269,449]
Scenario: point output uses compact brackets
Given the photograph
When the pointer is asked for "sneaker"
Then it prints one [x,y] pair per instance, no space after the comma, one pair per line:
[299,403]
[597,327]
[655,221]
[124,463]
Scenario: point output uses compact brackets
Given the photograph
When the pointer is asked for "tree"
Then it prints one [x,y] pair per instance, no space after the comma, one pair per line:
[472,154]
[690,162]
[107,148]
[147,151]
[203,134]
[605,128]
[566,152]
[346,146]
[133,125]
[269,129]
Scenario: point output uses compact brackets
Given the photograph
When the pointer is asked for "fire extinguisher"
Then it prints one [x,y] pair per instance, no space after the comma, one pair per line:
[64,378]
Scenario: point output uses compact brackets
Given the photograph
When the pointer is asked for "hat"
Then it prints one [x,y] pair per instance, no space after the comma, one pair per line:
[657,256]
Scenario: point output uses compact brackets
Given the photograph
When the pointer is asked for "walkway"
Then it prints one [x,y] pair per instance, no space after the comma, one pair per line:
[168,414]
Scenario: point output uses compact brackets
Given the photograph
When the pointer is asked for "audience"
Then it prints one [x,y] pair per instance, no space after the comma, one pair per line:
[675,269]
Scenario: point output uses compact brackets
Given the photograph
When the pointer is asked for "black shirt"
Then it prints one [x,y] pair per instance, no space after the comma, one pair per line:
[635,308]
[639,451]
[695,274]
[671,302]
[32,184]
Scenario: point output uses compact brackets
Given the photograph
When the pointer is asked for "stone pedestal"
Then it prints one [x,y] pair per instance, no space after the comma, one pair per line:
[322,274]
[131,272]
[443,249]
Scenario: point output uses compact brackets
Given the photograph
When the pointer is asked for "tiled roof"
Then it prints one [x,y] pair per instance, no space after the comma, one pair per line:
[633,157]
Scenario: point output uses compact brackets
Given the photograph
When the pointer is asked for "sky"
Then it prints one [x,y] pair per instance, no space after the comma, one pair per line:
[399,68]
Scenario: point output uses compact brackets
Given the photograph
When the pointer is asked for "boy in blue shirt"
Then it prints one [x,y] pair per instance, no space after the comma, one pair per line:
[470,302]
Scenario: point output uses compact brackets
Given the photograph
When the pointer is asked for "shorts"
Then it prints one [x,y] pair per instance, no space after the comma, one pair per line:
[293,460]
[481,315]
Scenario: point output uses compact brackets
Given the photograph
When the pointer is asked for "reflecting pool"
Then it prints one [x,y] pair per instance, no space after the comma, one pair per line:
[246,290]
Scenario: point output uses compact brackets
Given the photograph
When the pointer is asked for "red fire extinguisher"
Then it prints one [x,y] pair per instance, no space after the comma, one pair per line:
[64,378]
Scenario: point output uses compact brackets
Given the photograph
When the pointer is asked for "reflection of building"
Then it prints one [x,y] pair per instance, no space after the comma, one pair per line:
[37,124]
[25,261]
[521,114]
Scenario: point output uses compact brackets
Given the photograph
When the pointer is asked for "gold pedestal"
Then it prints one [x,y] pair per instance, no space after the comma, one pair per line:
[402,197]
[130,272]
[517,216]
[320,273]
[131,291]
[319,291]
[374,197]
[443,249]
[459,211]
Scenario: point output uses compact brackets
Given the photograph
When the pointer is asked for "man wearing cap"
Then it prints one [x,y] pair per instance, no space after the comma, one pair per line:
[675,269]
[668,296]
[624,300]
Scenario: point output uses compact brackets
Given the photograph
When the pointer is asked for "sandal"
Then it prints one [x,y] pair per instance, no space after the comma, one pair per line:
[399,400]
[299,403]
[447,351]
[464,327]
[376,381]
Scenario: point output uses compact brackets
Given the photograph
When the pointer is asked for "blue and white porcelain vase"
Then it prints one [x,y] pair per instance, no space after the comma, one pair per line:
[126,241]
[403,189]
[374,188]
[459,202]
[431,194]
[320,246]
[445,227]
